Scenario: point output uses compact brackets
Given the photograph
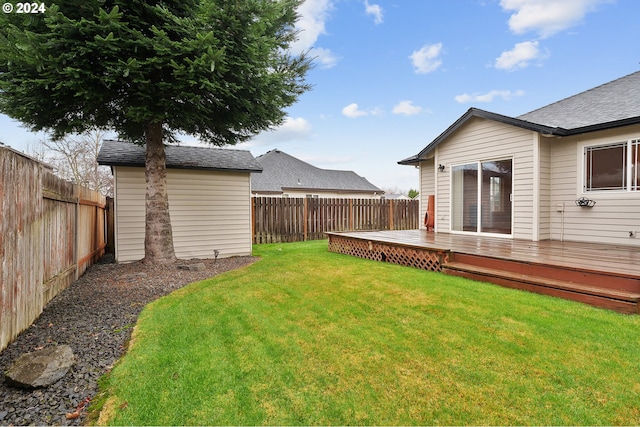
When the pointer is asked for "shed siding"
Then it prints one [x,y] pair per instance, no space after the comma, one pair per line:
[615,213]
[129,213]
[482,139]
[209,211]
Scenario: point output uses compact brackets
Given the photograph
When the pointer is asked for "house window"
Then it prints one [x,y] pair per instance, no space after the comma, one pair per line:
[612,167]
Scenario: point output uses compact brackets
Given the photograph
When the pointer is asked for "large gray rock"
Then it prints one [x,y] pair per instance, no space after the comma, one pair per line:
[40,368]
[193,267]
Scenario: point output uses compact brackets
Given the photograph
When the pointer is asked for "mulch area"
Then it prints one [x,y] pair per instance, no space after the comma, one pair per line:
[95,316]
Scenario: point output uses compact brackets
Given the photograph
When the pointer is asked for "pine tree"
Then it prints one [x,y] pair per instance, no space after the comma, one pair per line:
[216,69]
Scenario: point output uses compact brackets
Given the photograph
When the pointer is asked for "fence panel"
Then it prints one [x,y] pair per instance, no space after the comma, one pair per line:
[50,232]
[406,215]
[91,238]
[277,219]
[57,230]
[20,208]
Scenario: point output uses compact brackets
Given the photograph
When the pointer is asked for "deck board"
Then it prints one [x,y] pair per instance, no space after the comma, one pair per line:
[615,259]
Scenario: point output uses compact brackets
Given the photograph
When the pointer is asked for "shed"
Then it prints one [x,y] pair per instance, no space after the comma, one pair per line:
[209,199]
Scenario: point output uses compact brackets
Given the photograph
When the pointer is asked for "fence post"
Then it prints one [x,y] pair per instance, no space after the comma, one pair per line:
[390,214]
[253,220]
[76,231]
[350,214]
[305,214]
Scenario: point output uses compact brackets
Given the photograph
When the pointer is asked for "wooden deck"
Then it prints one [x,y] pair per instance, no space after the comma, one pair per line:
[602,275]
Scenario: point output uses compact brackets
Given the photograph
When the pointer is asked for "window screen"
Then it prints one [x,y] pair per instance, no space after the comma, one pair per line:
[606,167]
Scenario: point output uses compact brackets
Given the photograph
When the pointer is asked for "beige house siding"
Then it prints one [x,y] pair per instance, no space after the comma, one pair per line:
[544,186]
[479,140]
[209,211]
[616,212]
[428,170]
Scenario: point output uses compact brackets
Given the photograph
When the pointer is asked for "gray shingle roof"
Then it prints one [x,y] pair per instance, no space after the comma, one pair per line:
[282,171]
[607,106]
[610,102]
[119,153]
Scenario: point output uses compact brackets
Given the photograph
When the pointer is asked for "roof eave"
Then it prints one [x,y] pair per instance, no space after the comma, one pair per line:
[476,112]
[604,126]
[258,191]
[413,160]
[212,169]
[332,190]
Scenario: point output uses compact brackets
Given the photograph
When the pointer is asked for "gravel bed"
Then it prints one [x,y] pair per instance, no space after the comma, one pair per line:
[94,316]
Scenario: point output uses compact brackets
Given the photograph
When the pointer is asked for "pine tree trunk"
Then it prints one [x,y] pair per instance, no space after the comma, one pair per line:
[158,236]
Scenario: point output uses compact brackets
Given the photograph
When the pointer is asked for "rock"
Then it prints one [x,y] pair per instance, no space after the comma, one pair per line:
[133,276]
[40,368]
[193,267]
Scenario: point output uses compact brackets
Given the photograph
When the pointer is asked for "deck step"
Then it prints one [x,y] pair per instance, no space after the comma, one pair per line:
[620,300]
[583,276]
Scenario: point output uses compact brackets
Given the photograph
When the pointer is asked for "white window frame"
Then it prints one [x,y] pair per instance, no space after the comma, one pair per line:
[631,173]
[478,211]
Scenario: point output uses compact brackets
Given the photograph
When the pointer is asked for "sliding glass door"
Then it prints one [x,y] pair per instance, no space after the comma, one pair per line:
[464,197]
[481,197]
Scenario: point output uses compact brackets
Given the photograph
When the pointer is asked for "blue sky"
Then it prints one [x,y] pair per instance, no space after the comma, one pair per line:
[391,75]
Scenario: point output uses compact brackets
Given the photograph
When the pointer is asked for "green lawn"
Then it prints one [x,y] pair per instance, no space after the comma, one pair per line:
[309,337]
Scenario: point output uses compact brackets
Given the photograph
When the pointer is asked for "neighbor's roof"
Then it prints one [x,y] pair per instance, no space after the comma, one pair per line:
[282,171]
[119,153]
[607,106]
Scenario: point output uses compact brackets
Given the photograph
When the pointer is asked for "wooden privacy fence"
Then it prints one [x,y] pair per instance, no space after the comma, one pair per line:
[277,219]
[51,231]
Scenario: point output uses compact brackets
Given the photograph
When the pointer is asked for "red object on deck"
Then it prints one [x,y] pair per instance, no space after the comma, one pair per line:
[430,216]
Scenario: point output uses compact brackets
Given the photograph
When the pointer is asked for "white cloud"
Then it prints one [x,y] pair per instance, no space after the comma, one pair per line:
[547,17]
[427,59]
[488,97]
[520,56]
[375,10]
[324,57]
[310,26]
[295,126]
[406,108]
[352,111]
[291,129]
